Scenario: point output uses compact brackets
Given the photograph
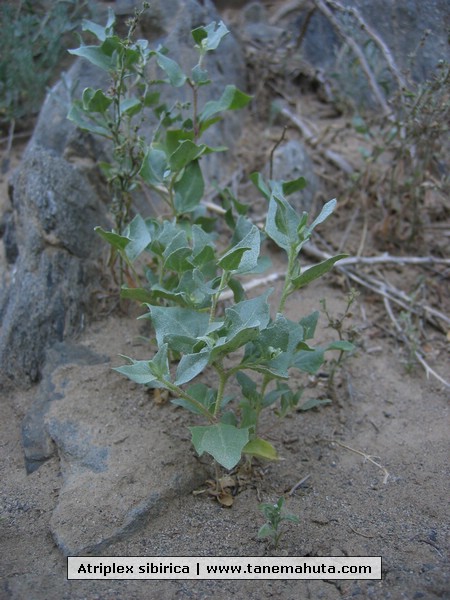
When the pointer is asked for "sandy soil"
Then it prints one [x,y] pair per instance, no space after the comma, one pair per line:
[346,507]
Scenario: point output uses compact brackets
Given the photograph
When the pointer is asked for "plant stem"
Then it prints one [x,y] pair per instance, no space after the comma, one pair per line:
[287,281]
[215,297]
[223,378]
[179,392]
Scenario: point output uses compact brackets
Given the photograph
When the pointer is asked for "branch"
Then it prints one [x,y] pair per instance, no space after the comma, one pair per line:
[377,286]
[428,370]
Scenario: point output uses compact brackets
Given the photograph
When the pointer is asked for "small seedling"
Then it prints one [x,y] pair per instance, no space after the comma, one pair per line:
[347,335]
[272,528]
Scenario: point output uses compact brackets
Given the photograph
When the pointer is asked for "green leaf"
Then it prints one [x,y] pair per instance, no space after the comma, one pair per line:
[194,289]
[282,222]
[295,185]
[191,365]
[243,321]
[231,99]
[139,236]
[324,214]
[189,189]
[159,365]
[136,294]
[224,442]
[315,272]
[261,449]
[174,137]
[243,257]
[341,345]
[177,252]
[309,325]
[258,181]
[130,106]
[248,313]
[95,101]
[204,125]
[184,321]
[154,166]
[146,371]
[238,290]
[266,531]
[101,33]
[200,392]
[119,242]
[209,38]
[95,55]
[186,152]
[310,361]
[199,76]
[248,386]
[138,371]
[82,120]
[173,70]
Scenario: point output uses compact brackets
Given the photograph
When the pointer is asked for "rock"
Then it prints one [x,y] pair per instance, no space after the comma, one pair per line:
[59,196]
[121,464]
[38,443]
[55,211]
[402,26]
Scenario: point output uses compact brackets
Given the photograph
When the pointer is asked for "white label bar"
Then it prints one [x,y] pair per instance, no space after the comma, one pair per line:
[223,567]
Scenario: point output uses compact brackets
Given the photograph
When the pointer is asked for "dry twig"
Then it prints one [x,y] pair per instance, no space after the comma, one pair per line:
[428,370]
[367,457]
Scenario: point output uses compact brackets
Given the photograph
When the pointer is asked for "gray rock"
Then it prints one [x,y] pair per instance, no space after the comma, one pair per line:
[55,211]
[120,466]
[401,25]
[39,442]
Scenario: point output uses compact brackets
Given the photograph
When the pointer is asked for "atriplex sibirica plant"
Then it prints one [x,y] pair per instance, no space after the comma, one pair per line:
[275,517]
[175,267]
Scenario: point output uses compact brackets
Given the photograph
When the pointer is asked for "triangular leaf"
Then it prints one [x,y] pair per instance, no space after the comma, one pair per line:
[231,99]
[139,236]
[173,70]
[184,321]
[189,189]
[224,442]
[261,449]
[209,37]
[191,365]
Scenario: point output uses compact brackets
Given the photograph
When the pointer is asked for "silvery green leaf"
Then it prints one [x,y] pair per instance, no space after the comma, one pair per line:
[224,442]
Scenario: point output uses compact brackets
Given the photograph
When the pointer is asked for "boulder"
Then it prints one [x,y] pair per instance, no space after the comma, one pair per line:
[414,31]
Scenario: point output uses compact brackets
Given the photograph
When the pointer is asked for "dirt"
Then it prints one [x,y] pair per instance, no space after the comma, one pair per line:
[367,475]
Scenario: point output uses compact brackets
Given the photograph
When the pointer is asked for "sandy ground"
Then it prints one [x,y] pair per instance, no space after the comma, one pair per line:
[346,507]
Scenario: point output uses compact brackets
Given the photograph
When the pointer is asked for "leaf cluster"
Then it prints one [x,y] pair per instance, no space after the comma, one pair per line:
[168,163]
